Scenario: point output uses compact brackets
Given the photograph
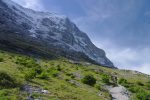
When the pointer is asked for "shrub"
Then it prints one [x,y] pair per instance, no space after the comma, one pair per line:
[139,83]
[1,59]
[142,95]
[53,72]
[148,85]
[45,88]
[43,75]
[20,68]
[134,89]
[125,83]
[30,75]
[27,62]
[6,81]
[71,75]
[89,80]
[122,81]
[3,93]
[148,82]
[67,79]
[38,69]
[98,86]
[105,78]
[58,68]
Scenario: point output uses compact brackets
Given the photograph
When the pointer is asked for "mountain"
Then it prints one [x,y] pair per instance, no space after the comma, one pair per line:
[44,33]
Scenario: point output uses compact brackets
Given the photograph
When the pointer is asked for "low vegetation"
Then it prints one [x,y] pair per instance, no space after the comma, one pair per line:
[64,80]
[1,59]
[89,80]
[31,74]
[43,75]
[137,89]
[106,78]
[6,81]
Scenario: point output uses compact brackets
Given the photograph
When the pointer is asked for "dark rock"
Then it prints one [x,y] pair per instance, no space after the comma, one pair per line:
[45,33]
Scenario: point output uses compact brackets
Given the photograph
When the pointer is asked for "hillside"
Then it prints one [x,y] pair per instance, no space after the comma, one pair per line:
[62,79]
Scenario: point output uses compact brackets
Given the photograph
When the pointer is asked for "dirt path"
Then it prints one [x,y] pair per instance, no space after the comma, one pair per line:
[119,93]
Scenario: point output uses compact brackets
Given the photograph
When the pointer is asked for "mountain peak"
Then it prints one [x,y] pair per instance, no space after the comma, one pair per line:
[44,32]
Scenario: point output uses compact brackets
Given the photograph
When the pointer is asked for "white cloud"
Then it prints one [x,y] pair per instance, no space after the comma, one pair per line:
[145,68]
[33,4]
[126,58]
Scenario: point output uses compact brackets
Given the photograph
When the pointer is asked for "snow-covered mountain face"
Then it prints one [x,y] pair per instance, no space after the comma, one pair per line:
[46,32]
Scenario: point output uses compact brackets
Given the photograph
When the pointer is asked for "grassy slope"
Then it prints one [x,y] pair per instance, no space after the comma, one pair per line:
[58,82]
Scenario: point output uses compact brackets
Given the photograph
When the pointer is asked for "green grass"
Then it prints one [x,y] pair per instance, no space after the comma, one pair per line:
[63,79]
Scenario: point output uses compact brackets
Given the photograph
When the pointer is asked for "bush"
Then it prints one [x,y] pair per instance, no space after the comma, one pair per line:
[71,75]
[27,62]
[67,79]
[122,81]
[125,83]
[1,59]
[139,83]
[6,81]
[148,86]
[142,95]
[38,69]
[20,68]
[45,88]
[30,75]
[53,72]
[105,78]
[43,75]
[134,89]
[98,86]
[89,80]
[3,93]
[58,68]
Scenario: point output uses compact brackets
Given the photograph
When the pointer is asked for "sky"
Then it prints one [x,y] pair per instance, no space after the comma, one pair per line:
[120,27]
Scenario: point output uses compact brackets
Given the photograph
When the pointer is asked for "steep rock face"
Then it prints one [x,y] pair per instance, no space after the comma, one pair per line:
[44,32]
